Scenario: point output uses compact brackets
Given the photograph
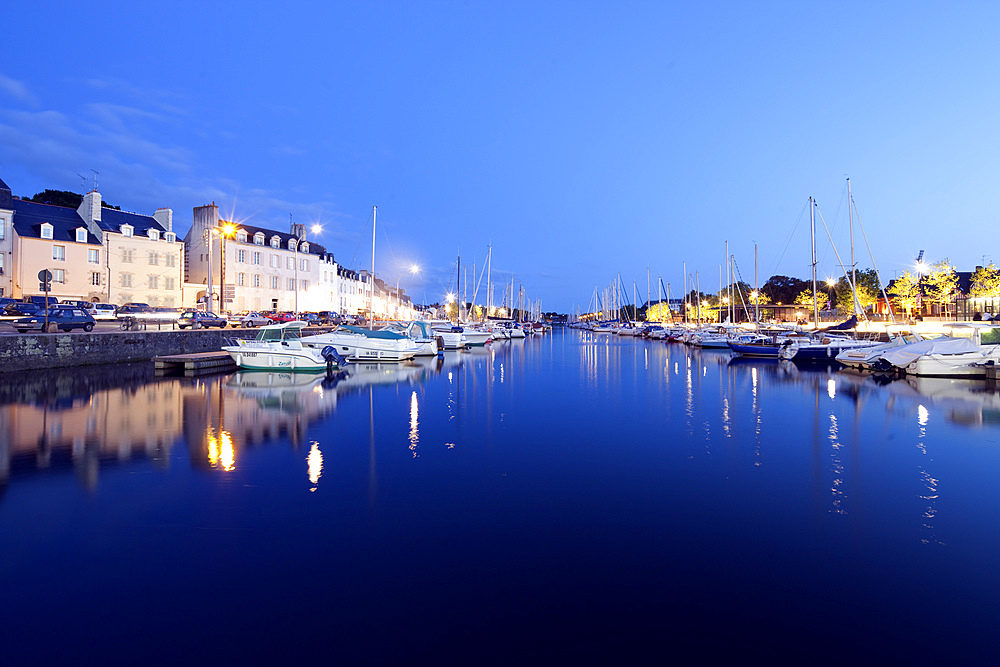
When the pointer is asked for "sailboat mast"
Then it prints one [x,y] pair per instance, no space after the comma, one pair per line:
[854,267]
[371,296]
[812,234]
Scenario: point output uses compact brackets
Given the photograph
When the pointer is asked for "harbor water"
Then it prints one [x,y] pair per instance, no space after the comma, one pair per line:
[568,497]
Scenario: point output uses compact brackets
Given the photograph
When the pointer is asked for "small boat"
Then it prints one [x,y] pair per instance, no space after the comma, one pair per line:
[861,358]
[822,349]
[360,344]
[967,352]
[428,342]
[279,347]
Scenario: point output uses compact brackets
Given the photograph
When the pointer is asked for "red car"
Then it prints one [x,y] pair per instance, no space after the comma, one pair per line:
[282,317]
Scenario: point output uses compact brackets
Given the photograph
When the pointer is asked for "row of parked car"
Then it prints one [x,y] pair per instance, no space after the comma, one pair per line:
[68,314]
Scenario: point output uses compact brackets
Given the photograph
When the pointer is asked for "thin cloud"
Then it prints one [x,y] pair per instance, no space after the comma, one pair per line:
[16,90]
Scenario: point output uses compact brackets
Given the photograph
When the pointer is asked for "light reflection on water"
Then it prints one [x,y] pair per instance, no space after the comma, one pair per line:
[578,477]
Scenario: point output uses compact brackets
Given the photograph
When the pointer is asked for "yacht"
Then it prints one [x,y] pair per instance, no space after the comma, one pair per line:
[360,344]
[279,347]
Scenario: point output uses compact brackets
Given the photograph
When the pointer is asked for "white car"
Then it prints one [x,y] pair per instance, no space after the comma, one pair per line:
[104,311]
[248,320]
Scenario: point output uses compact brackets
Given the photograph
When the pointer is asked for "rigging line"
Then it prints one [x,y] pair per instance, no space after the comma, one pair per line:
[881,284]
[774,270]
[739,289]
[847,275]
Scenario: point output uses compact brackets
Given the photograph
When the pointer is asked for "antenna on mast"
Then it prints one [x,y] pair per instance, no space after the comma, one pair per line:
[83,183]
[95,178]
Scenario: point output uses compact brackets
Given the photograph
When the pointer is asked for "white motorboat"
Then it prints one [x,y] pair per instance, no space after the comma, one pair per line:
[967,351]
[360,344]
[427,341]
[470,335]
[279,347]
[863,357]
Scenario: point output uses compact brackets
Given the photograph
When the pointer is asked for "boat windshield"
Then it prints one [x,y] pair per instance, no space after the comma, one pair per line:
[278,334]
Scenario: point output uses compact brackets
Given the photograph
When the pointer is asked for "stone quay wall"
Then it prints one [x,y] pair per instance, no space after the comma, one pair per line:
[36,351]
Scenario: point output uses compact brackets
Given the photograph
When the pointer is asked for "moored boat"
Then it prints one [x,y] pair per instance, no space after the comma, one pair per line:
[279,347]
[360,344]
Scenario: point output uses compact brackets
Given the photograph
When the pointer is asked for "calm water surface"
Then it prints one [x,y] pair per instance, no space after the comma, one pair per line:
[568,497]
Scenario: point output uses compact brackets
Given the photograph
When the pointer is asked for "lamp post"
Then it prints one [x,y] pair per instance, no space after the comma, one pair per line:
[414,269]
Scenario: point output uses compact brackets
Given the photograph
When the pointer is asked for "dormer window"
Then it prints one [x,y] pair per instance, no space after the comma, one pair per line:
[275,241]
[127,230]
[291,244]
[170,237]
[153,234]
[46,230]
[81,235]
[258,238]
[241,237]
[304,247]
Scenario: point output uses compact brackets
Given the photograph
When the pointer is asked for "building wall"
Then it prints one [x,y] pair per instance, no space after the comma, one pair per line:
[141,269]
[6,251]
[75,281]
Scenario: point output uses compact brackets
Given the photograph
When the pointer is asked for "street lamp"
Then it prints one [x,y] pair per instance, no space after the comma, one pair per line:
[414,269]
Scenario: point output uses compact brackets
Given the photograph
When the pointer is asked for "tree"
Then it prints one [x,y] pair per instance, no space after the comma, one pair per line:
[63,198]
[906,291]
[941,283]
[805,298]
[985,282]
[868,289]
[782,289]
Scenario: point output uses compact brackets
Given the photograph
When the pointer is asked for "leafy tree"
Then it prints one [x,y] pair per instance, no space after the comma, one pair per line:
[805,298]
[906,291]
[782,289]
[940,284]
[868,290]
[63,198]
[986,282]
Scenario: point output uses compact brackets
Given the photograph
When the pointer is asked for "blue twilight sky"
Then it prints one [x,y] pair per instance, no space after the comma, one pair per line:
[583,140]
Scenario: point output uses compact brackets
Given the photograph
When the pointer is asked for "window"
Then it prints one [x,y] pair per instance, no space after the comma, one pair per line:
[241,237]
[94,256]
[304,247]
[3,226]
[304,264]
[291,284]
[126,279]
[153,234]
[274,261]
[127,230]
[170,283]
[305,284]
[59,252]
[256,280]
[95,278]
[275,242]
[170,259]
[154,282]
[291,244]
[241,279]
[170,237]
[241,256]
[46,232]
[258,238]
[81,235]
[154,258]
[256,258]
[128,255]
[274,282]
[289,263]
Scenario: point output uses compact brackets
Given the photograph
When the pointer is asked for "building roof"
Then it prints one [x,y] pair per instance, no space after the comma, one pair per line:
[314,248]
[112,221]
[30,216]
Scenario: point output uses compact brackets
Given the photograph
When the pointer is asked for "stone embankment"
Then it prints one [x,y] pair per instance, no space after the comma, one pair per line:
[35,351]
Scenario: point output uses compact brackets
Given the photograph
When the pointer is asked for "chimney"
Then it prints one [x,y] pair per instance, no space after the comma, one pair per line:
[90,211]
[165,217]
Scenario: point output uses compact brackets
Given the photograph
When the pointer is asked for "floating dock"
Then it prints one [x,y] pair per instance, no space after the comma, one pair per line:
[195,363]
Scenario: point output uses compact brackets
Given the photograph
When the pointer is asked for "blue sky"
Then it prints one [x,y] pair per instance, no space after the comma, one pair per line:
[583,140]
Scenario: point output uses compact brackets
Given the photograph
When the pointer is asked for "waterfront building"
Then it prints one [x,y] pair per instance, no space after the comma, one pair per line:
[95,253]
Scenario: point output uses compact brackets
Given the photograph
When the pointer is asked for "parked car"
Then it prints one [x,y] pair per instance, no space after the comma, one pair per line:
[22,308]
[86,305]
[5,301]
[329,317]
[196,319]
[42,300]
[282,317]
[248,319]
[63,318]
[104,311]
[310,318]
